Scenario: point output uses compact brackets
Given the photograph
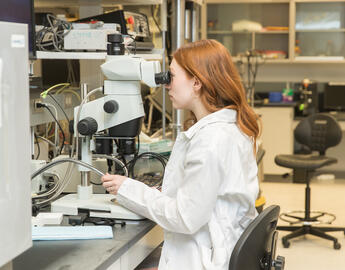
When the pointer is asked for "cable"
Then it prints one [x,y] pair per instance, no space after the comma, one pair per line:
[116,160]
[56,132]
[38,146]
[53,35]
[57,122]
[45,93]
[132,163]
[154,19]
[69,91]
[46,140]
[62,185]
[64,160]
[60,108]
[57,103]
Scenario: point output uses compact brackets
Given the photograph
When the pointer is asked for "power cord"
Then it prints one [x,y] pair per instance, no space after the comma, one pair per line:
[38,146]
[42,105]
[52,37]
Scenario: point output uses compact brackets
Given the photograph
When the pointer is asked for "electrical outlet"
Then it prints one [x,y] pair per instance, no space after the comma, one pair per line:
[68,100]
[36,109]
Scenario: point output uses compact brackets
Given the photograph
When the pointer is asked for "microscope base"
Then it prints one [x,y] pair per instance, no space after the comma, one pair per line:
[99,205]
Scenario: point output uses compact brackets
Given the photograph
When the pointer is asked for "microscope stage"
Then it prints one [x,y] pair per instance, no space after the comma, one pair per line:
[99,205]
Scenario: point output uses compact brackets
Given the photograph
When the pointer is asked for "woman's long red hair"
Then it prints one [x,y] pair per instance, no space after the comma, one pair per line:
[210,62]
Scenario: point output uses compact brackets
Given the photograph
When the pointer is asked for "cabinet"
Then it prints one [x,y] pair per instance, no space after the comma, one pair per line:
[276,137]
[320,29]
[249,26]
[284,31]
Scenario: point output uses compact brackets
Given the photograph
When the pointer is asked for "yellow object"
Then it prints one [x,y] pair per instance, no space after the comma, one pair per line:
[45,93]
[260,201]
[62,90]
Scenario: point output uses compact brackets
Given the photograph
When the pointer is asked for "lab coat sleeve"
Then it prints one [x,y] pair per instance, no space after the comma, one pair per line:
[194,202]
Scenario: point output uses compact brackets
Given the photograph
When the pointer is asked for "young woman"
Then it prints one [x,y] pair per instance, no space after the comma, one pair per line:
[210,182]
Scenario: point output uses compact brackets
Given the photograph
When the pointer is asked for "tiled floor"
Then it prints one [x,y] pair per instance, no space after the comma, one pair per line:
[309,252]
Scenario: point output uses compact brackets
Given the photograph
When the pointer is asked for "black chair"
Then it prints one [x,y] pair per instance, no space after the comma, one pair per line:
[255,249]
[318,132]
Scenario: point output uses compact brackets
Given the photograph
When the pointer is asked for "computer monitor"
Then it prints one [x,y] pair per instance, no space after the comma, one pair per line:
[334,97]
[20,11]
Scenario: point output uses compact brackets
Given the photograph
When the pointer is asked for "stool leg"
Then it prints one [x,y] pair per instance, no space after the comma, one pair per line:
[296,233]
[321,234]
[288,228]
[331,229]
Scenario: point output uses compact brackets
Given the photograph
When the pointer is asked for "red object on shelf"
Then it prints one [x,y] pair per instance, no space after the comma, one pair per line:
[130,20]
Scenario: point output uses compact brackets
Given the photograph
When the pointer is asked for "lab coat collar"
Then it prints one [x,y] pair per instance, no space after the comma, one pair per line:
[223,115]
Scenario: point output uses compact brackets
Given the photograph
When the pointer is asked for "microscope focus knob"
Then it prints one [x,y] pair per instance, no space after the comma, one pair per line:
[87,126]
[111,106]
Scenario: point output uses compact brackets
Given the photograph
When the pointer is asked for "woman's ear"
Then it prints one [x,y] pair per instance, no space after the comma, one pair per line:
[197,84]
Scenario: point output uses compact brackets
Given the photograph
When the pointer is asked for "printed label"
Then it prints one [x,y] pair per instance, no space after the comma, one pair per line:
[17,41]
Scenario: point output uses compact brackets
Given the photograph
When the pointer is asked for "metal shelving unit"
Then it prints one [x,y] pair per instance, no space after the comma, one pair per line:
[157,54]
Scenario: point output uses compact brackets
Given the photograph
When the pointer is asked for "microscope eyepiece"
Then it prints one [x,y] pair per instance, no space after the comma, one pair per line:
[163,77]
[115,44]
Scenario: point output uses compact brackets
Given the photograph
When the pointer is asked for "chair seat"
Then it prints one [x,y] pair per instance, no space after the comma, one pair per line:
[308,162]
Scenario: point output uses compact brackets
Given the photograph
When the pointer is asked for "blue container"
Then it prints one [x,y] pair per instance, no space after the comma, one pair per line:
[275,97]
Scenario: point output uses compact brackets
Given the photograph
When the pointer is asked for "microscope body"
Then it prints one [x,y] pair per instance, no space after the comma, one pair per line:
[122,102]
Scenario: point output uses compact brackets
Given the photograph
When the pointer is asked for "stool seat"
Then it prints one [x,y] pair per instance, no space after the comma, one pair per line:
[308,162]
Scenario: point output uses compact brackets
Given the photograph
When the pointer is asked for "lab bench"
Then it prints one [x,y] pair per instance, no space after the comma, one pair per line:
[129,246]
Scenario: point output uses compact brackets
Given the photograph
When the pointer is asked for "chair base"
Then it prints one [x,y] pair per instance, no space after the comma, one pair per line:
[308,229]
[310,218]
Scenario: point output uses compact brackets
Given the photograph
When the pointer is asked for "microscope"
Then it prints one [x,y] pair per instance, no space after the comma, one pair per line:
[116,115]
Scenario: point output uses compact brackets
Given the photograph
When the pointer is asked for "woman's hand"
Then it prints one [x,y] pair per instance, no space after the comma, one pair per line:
[112,182]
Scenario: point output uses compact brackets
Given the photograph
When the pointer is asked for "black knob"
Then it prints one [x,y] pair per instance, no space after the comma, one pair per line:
[111,106]
[116,38]
[87,126]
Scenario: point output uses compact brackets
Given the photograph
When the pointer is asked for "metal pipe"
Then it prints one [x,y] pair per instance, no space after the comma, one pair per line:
[164,27]
[83,91]
[63,160]
[180,41]
[195,23]
[163,87]
[85,178]
[188,22]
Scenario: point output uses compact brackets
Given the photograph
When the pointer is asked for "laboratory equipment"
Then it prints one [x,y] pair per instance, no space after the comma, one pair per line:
[120,113]
[334,97]
[20,11]
[15,204]
[163,77]
[84,36]
[133,24]
[308,96]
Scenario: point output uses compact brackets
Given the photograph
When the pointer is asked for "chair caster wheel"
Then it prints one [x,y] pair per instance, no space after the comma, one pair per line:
[286,243]
[336,245]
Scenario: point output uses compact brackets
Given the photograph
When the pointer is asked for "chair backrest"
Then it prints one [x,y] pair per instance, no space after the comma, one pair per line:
[319,132]
[255,249]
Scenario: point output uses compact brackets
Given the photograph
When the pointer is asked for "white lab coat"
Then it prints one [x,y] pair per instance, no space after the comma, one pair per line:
[208,194]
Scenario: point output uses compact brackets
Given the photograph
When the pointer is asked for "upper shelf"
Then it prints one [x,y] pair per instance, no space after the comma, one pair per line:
[340,30]
[225,32]
[104,3]
[157,54]
[107,3]
[245,1]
